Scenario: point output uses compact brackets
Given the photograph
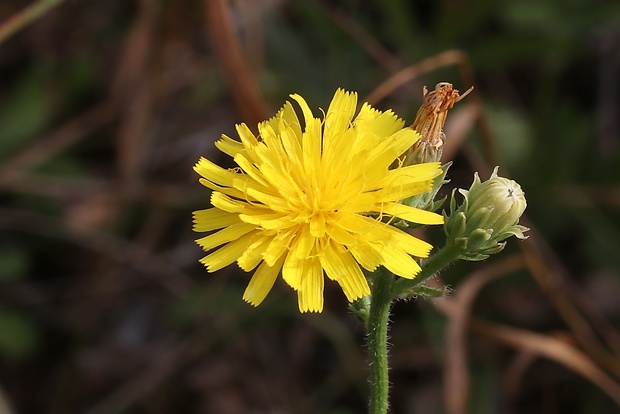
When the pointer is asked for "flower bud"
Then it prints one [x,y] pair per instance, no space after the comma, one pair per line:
[489,214]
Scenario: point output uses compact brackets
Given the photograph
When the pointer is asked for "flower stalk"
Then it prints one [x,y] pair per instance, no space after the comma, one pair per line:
[407,288]
[378,320]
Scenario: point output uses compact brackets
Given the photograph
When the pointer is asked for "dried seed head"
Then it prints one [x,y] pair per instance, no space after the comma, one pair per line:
[430,120]
[428,123]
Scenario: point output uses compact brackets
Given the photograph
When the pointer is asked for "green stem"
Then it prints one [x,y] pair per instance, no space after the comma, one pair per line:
[434,264]
[377,340]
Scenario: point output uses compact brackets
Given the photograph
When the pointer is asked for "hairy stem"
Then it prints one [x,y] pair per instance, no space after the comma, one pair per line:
[378,319]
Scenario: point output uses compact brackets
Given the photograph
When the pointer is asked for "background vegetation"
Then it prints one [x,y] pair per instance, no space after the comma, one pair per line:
[106,105]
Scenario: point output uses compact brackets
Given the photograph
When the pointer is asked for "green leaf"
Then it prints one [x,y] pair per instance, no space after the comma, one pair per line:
[19,335]
[25,112]
[13,264]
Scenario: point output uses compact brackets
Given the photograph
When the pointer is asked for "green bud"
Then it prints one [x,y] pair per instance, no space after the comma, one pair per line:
[489,214]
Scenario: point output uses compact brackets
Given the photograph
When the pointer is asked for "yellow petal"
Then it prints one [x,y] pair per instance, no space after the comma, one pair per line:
[227,254]
[268,221]
[339,265]
[380,123]
[248,139]
[310,293]
[225,235]
[250,169]
[228,204]
[341,236]
[292,271]
[261,283]
[400,192]
[376,232]
[338,117]
[384,154]
[253,255]
[398,261]
[305,109]
[412,214]
[366,256]
[317,225]
[283,182]
[278,246]
[289,118]
[286,116]
[214,172]
[229,146]
[274,202]
[410,244]
[213,218]
[353,287]
[411,174]
[366,227]
[233,192]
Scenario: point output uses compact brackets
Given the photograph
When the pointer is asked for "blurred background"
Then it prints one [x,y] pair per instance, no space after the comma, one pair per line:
[105,106]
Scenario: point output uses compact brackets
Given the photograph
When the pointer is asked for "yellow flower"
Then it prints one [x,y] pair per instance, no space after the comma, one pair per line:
[314,200]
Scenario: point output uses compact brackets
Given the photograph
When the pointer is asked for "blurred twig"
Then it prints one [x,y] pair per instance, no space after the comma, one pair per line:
[5,407]
[456,385]
[169,361]
[447,58]
[608,82]
[63,137]
[134,85]
[553,348]
[239,76]
[549,273]
[400,78]
[81,188]
[374,48]
[120,250]
[25,17]
[516,373]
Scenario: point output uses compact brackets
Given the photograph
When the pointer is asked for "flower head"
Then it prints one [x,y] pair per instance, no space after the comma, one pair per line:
[489,214]
[315,200]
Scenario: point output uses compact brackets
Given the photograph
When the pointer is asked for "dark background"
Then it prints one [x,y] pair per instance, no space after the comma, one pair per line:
[106,105]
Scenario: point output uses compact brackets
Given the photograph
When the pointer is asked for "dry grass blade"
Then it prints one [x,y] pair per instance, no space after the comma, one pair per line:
[171,360]
[516,372]
[236,71]
[460,123]
[5,407]
[374,48]
[549,273]
[66,135]
[447,58]
[133,89]
[120,250]
[542,345]
[25,17]
[554,349]
[456,374]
